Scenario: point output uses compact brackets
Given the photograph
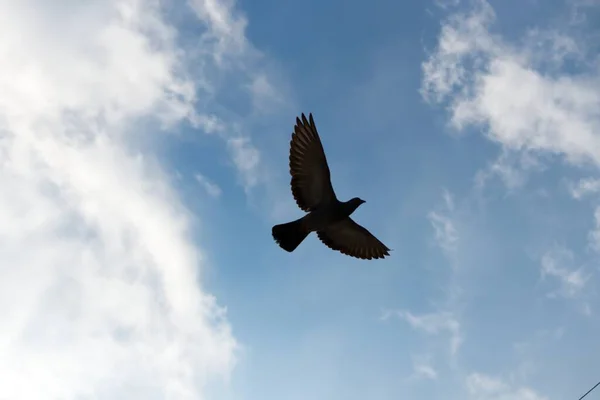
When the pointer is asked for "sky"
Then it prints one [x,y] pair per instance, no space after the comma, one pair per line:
[144,159]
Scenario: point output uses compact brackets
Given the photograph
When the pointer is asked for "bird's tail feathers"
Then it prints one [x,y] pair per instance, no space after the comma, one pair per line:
[289,236]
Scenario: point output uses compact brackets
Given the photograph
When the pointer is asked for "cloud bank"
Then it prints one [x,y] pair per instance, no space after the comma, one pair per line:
[99,285]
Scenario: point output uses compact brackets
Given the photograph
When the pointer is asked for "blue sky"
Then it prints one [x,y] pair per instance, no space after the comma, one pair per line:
[145,150]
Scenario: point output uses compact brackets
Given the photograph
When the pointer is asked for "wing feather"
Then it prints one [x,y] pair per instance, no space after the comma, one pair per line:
[351,239]
[311,178]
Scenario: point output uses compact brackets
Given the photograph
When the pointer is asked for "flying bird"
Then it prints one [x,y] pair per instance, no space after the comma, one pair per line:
[326,215]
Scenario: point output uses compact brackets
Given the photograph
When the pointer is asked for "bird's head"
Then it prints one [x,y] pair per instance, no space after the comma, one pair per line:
[355,203]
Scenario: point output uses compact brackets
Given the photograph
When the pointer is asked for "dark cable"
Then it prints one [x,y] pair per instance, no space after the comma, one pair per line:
[589,391]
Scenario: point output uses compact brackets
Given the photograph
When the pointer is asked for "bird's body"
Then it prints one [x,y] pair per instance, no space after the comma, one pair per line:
[323,216]
[313,192]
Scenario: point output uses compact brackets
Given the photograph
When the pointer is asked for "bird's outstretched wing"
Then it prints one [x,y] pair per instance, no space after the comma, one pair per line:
[311,184]
[353,240]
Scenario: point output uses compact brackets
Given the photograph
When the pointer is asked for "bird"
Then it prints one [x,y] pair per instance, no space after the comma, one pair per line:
[314,194]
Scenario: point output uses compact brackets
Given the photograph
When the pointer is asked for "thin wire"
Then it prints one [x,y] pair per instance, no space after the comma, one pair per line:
[589,391]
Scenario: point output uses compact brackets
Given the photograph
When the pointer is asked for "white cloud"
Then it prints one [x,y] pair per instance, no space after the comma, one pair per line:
[231,50]
[211,188]
[446,234]
[425,371]
[521,97]
[265,96]
[432,324]
[513,92]
[557,264]
[423,368]
[225,36]
[594,235]
[538,99]
[444,4]
[247,160]
[484,387]
[225,44]
[511,167]
[448,200]
[99,288]
[585,187]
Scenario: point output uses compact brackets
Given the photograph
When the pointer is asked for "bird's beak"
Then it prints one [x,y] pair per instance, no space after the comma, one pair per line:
[362,202]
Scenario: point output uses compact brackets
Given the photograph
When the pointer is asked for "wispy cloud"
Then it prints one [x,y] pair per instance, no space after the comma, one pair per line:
[445,4]
[425,371]
[423,368]
[225,36]
[211,188]
[557,264]
[585,187]
[265,96]
[247,160]
[238,67]
[446,234]
[437,323]
[594,234]
[588,187]
[484,387]
[511,167]
[530,351]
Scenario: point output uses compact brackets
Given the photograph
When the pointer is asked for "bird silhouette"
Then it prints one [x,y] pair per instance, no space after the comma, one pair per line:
[326,215]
